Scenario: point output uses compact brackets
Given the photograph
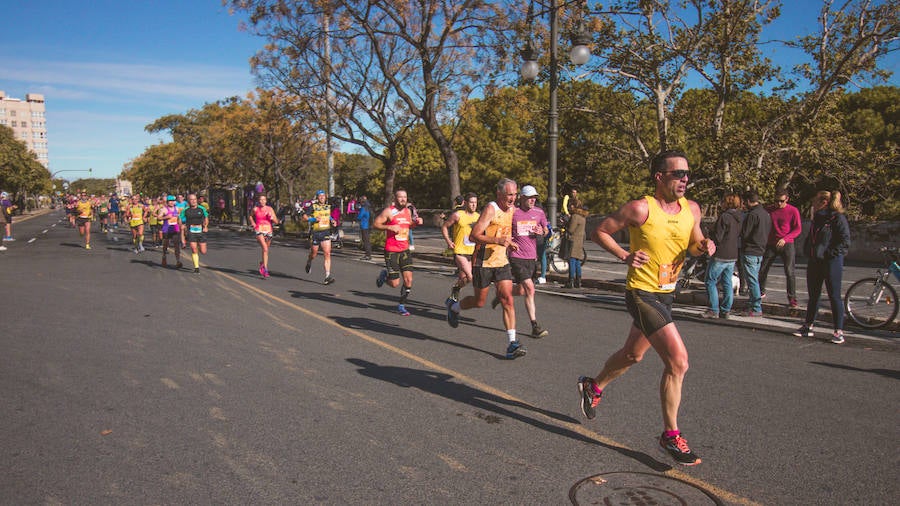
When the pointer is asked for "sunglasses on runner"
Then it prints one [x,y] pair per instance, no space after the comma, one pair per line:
[678,174]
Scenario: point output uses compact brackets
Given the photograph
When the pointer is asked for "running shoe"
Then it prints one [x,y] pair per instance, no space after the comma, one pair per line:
[454,293]
[792,302]
[308,266]
[382,277]
[179,265]
[262,270]
[589,397]
[402,310]
[725,315]
[677,447]
[196,270]
[542,280]
[537,331]
[709,314]
[838,337]
[452,316]
[515,350]
[141,248]
[87,246]
[164,263]
[495,302]
[751,314]
[804,331]
[328,280]
[3,248]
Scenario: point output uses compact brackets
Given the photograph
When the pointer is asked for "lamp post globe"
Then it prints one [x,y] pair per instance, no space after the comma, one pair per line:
[530,70]
[580,54]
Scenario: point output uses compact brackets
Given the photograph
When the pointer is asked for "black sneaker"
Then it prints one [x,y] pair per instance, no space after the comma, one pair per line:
[677,447]
[452,316]
[454,293]
[725,315]
[328,280]
[589,397]
[495,302]
[804,331]
[537,331]
[515,350]
[382,277]
[196,270]
[308,266]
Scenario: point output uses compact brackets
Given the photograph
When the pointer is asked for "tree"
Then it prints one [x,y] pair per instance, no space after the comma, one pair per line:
[21,170]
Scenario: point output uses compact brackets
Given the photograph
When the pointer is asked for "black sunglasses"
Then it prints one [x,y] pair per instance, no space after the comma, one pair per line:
[678,174]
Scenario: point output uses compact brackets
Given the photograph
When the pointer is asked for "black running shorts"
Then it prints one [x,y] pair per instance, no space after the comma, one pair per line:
[651,311]
[482,277]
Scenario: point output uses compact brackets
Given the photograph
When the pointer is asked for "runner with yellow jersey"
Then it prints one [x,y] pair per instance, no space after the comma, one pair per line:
[492,234]
[84,214]
[663,227]
[318,214]
[135,213]
[153,221]
[461,244]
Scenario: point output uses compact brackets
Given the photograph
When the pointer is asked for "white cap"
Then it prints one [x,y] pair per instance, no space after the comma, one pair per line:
[529,191]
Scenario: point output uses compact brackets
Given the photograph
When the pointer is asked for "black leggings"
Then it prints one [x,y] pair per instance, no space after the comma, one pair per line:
[829,271]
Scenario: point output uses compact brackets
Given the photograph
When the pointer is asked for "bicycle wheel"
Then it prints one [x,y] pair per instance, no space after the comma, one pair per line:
[559,265]
[871,303]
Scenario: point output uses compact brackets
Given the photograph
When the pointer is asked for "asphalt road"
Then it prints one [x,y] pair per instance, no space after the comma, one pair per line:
[129,383]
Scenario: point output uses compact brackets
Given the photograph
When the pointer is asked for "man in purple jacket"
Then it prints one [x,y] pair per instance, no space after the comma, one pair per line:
[786,228]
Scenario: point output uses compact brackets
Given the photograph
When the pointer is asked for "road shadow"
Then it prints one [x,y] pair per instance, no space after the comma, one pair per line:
[396,330]
[328,297]
[441,384]
[887,373]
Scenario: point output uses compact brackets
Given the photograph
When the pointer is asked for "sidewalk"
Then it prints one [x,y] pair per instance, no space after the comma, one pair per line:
[429,245]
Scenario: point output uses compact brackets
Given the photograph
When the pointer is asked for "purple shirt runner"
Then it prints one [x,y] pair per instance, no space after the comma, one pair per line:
[526,232]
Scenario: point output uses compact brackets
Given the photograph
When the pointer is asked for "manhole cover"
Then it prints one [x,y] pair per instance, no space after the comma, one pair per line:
[638,489]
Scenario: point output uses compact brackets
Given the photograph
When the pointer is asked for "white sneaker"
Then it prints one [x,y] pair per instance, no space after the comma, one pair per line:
[412,247]
[3,248]
[542,280]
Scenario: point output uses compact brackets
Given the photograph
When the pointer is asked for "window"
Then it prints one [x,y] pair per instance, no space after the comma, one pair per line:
[12,113]
[14,123]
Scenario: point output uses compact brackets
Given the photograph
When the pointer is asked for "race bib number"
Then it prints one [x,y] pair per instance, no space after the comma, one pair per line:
[526,228]
[402,235]
[668,276]
[467,241]
[196,229]
[265,228]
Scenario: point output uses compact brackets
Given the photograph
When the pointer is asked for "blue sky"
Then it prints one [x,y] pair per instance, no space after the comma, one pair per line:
[107,68]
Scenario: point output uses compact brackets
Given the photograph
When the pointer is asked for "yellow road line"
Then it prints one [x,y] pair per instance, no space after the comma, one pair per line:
[580,429]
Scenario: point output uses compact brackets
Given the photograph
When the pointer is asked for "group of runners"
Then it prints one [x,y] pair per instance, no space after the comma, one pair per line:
[173,221]
[497,246]
[664,228]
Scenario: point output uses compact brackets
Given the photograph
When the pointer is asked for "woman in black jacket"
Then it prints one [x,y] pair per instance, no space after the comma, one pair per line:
[826,245]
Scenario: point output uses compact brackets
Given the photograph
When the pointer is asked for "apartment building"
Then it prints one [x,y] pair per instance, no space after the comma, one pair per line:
[28,122]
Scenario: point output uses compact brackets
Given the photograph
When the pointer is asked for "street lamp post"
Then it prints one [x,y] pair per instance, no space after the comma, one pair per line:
[578,55]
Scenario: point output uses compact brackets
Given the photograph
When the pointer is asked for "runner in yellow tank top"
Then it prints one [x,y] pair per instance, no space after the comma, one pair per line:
[492,234]
[461,244]
[663,228]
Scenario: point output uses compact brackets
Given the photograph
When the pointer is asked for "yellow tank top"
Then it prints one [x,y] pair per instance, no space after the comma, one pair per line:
[461,230]
[153,219]
[666,238]
[494,255]
[85,209]
[322,214]
[137,215]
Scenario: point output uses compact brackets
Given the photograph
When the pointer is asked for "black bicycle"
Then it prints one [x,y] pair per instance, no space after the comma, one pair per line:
[872,302]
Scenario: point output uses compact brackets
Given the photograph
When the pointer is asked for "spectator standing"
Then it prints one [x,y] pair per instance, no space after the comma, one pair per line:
[786,228]
[7,208]
[754,236]
[575,238]
[726,234]
[828,242]
[364,215]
